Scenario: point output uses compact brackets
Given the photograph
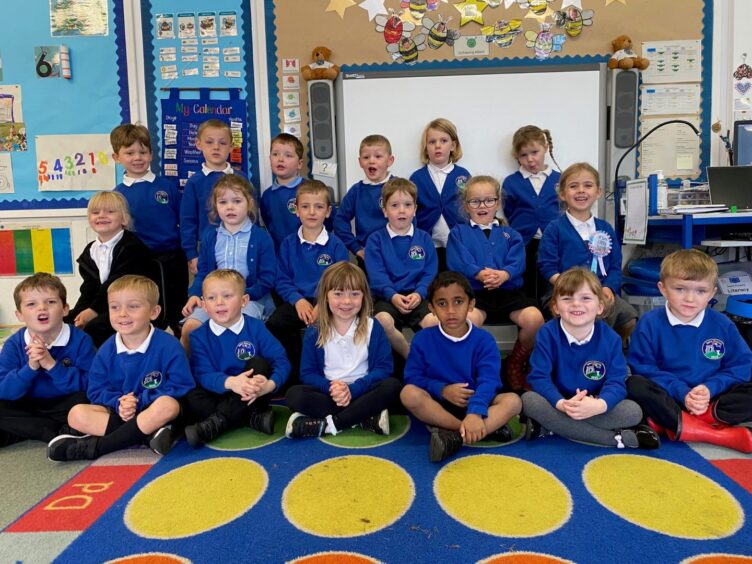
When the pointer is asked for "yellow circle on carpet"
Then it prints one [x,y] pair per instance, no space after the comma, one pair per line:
[196,498]
[348,496]
[662,496]
[527,500]
[335,558]
[717,558]
[150,558]
[524,558]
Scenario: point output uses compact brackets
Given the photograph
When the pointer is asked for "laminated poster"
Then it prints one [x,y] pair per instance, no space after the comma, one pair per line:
[78,17]
[75,162]
[12,127]
[6,174]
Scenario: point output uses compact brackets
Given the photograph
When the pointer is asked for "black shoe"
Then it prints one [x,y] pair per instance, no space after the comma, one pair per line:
[205,431]
[299,426]
[647,438]
[263,421]
[68,430]
[443,444]
[68,447]
[533,429]
[501,435]
[7,439]
[378,424]
[162,440]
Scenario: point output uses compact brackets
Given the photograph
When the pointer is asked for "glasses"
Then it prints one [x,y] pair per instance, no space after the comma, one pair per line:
[475,203]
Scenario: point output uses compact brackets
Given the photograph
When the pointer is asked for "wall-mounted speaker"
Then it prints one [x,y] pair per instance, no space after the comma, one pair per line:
[321,126]
[622,128]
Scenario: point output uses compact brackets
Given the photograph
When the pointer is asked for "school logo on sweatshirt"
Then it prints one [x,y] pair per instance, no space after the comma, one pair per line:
[245,350]
[324,260]
[152,380]
[594,370]
[291,207]
[460,182]
[162,197]
[416,252]
[713,349]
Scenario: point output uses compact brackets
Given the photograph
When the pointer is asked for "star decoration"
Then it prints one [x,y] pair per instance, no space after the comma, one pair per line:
[339,6]
[576,3]
[471,11]
[611,1]
[374,8]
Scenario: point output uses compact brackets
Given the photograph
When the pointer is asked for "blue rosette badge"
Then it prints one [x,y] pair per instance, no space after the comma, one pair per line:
[600,245]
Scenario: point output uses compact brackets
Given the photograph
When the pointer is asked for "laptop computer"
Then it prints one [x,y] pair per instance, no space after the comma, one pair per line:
[731,186]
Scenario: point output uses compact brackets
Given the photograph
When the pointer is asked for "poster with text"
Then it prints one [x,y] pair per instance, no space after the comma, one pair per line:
[78,17]
[12,127]
[75,162]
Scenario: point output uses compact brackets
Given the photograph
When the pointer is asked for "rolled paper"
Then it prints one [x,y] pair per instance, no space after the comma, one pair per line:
[65,70]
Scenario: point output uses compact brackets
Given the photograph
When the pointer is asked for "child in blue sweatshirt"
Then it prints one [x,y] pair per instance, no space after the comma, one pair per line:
[579,239]
[214,140]
[578,373]
[401,264]
[237,363]
[237,244]
[303,257]
[44,366]
[347,364]
[439,183]
[135,381]
[154,203]
[492,256]
[452,374]
[363,200]
[690,366]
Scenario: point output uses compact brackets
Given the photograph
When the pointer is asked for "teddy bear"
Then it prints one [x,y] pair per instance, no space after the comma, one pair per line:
[624,57]
[320,68]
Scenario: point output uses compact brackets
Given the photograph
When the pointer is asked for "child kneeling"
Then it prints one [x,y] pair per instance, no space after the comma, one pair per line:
[578,375]
[346,365]
[452,374]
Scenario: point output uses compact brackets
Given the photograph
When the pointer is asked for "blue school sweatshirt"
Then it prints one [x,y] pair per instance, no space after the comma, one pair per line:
[194,209]
[527,211]
[301,265]
[680,357]
[436,361]
[260,259]
[432,205]
[215,357]
[558,369]
[278,210]
[155,208]
[69,375]
[160,371]
[561,248]
[469,252]
[400,264]
[380,363]
[361,202]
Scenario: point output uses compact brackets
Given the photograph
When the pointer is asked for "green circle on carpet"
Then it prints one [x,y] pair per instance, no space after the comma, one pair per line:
[359,438]
[517,431]
[247,439]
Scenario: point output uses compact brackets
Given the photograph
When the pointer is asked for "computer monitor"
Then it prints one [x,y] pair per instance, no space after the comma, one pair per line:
[743,142]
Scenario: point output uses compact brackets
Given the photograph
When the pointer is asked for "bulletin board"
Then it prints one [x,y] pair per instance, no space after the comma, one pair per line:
[90,102]
[352,31]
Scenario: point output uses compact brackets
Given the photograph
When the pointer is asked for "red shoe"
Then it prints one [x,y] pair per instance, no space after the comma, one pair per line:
[655,427]
[709,417]
[518,368]
[695,430]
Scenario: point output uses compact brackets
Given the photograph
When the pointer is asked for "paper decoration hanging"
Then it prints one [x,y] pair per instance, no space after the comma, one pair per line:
[74,162]
[538,9]
[417,8]
[82,17]
[544,42]
[26,251]
[393,27]
[339,6]
[612,1]
[503,32]
[406,50]
[573,19]
[373,7]
[12,126]
[438,33]
[471,11]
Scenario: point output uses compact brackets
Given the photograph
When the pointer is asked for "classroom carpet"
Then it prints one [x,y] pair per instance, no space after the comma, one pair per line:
[362,498]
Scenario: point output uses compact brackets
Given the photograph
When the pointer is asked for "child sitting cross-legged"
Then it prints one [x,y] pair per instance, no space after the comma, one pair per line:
[452,374]
[236,362]
[135,381]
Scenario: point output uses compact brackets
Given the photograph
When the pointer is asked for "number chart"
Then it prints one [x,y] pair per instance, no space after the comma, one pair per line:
[75,162]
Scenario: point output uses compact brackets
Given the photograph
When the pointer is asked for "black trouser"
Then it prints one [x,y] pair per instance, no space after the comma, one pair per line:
[533,283]
[175,270]
[39,419]
[200,403]
[734,406]
[286,326]
[310,401]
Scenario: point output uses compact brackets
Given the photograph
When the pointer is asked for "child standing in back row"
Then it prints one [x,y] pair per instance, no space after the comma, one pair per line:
[579,239]
[439,183]
[214,140]
[530,199]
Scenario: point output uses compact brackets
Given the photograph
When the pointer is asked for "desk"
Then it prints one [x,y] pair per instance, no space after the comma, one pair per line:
[695,228]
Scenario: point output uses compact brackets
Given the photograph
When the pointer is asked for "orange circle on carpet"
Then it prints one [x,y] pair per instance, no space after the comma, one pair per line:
[717,559]
[673,500]
[150,558]
[196,498]
[524,558]
[528,500]
[348,496]
[335,558]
